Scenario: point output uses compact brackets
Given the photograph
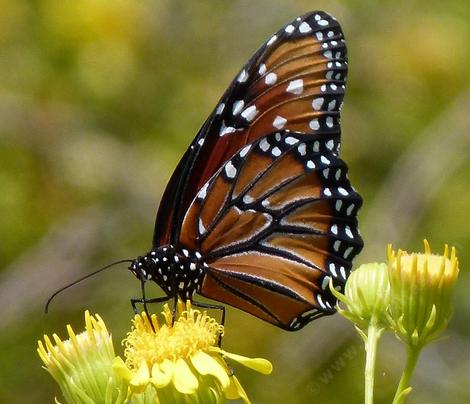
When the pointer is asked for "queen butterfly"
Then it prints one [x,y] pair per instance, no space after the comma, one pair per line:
[259,213]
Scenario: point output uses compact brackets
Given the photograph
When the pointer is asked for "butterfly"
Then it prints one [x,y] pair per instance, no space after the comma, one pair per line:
[259,213]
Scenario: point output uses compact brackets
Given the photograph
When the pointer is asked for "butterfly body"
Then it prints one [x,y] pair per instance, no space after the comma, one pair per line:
[178,271]
[260,213]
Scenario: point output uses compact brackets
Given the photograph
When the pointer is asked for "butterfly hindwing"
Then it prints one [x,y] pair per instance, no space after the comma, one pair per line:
[295,81]
[274,224]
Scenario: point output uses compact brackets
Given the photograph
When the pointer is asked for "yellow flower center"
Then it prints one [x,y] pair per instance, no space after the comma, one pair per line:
[192,331]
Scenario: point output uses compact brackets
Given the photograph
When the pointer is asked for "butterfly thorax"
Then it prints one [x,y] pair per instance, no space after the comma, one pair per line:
[178,271]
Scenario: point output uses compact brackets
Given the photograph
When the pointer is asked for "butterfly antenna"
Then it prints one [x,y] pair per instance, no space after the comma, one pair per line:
[46,307]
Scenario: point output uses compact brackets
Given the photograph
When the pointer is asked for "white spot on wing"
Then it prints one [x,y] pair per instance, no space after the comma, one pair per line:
[220,108]
[264,145]
[279,122]
[324,160]
[304,28]
[314,125]
[262,69]
[203,191]
[291,140]
[348,232]
[272,40]
[329,121]
[334,229]
[250,113]
[289,29]
[317,103]
[202,228]
[296,87]
[238,106]
[243,76]
[245,150]
[230,170]
[276,151]
[270,79]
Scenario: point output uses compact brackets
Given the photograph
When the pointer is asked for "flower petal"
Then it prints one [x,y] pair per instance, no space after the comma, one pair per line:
[140,379]
[183,378]
[120,369]
[259,364]
[207,365]
[162,373]
[235,390]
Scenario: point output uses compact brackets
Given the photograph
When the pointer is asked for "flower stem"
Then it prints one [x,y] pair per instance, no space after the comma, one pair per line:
[403,387]
[373,335]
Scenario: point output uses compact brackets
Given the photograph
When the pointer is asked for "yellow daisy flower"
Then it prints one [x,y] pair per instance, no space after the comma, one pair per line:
[181,358]
[175,361]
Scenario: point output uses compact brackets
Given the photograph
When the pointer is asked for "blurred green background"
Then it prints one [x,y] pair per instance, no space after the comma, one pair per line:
[98,100]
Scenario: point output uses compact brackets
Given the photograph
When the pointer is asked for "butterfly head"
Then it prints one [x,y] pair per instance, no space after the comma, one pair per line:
[139,267]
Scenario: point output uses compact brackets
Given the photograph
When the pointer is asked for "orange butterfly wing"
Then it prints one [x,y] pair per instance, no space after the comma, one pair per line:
[275,224]
[295,81]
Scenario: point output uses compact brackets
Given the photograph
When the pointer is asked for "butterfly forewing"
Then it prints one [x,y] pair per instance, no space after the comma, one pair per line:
[295,81]
[274,224]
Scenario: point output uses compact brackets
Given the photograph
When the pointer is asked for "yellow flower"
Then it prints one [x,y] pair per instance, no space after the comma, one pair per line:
[180,359]
[421,293]
[82,364]
[175,361]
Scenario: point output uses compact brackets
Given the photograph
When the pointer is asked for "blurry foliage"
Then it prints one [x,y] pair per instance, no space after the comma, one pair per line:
[98,100]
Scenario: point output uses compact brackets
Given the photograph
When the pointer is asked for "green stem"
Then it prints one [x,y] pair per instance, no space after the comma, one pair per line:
[403,387]
[373,335]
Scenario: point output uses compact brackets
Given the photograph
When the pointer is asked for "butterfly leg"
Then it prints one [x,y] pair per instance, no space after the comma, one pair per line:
[144,301]
[216,307]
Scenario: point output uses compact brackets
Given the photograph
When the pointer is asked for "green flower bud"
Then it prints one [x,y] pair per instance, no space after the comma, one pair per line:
[421,293]
[366,296]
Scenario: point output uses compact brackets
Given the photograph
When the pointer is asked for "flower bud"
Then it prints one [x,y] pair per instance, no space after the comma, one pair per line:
[421,293]
[366,295]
